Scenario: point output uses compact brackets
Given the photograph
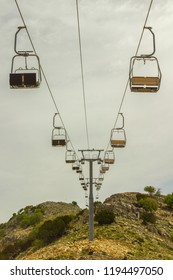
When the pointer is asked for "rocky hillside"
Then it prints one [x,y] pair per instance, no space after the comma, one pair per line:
[128,237]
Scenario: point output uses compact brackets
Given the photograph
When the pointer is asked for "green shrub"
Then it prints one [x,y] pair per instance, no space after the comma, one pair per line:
[26,220]
[105,217]
[148,217]
[10,252]
[140,196]
[51,230]
[2,233]
[169,200]
[74,202]
[67,218]
[149,204]
[150,189]
[41,235]
[158,192]
[37,243]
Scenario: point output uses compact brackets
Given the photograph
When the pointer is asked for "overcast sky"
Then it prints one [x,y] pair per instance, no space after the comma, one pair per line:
[31,170]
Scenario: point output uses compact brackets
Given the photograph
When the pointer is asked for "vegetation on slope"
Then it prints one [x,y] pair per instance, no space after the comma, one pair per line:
[61,232]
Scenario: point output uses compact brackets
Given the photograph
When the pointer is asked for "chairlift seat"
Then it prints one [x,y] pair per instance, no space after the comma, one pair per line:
[75,167]
[102,171]
[101,178]
[145,84]
[144,89]
[79,171]
[70,157]
[23,80]
[58,142]
[70,160]
[105,168]
[109,161]
[118,143]
[81,178]
[145,81]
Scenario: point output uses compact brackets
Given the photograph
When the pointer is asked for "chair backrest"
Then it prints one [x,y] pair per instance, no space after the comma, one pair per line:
[148,81]
[118,143]
[23,80]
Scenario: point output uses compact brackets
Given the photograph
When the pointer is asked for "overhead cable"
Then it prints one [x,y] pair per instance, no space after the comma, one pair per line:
[82,73]
[138,46]
[44,75]
[127,83]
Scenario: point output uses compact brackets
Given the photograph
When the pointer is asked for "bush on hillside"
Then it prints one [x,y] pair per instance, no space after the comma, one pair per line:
[169,200]
[26,220]
[140,196]
[105,217]
[51,230]
[148,217]
[148,204]
[150,189]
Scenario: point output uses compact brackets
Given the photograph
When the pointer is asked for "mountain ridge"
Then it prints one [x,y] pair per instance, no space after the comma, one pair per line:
[126,238]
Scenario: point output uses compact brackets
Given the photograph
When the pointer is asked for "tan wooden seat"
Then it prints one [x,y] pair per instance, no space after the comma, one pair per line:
[70,160]
[144,89]
[105,168]
[109,161]
[148,81]
[145,84]
[118,143]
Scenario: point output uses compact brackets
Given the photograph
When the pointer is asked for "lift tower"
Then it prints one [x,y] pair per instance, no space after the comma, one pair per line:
[91,156]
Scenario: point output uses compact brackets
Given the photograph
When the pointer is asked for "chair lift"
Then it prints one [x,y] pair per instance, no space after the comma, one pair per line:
[102,171]
[109,157]
[98,186]
[76,166]
[118,136]
[24,76]
[141,83]
[81,177]
[79,170]
[104,167]
[70,156]
[59,135]
[101,177]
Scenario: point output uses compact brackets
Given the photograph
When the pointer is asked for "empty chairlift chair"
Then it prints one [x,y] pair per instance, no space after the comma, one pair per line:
[70,156]
[81,177]
[118,136]
[144,73]
[59,135]
[28,75]
[76,166]
[101,178]
[104,168]
[109,157]
[79,170]
[102,171]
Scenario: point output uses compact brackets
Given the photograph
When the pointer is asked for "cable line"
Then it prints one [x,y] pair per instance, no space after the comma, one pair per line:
[127,84]
[82,72]
[21,15]
[44,75]
[126,87]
